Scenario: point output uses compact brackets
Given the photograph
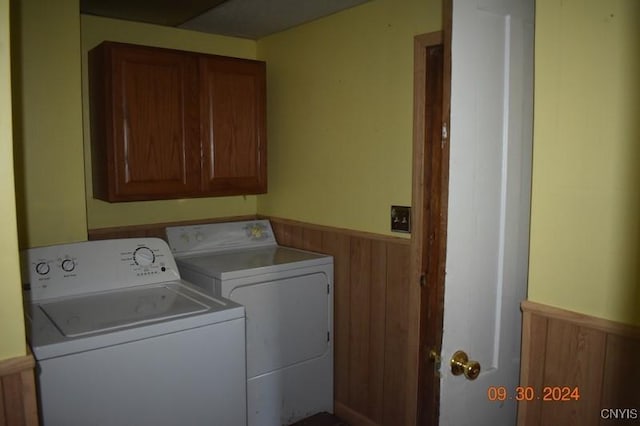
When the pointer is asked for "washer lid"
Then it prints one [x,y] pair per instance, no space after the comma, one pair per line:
[68,325]
[101,312]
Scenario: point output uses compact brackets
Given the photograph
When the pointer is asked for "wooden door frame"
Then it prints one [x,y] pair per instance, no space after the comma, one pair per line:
[419,204]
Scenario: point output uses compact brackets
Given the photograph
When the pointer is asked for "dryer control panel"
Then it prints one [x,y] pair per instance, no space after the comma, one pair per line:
[93,266]
[218,237]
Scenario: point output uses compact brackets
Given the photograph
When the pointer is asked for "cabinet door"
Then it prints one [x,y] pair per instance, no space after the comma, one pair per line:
[153,146]
[233,117]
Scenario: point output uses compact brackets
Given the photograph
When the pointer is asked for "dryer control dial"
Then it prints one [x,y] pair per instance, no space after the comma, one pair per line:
[143,256]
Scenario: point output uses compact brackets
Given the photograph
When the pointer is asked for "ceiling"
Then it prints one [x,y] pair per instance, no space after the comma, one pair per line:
[240,18]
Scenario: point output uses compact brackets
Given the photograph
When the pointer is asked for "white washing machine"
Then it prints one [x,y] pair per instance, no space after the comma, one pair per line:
[120,339]
[288,298]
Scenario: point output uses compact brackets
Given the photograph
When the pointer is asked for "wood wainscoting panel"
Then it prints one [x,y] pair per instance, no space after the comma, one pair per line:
[567,349]
[396,343]
[371,278]
[18,400]
[574,357]
[621,384]
[12,396]
[534,343]
[359,326]
[377,322]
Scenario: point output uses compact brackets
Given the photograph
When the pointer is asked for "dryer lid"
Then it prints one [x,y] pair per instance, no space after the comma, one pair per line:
[94,313]
[245,263]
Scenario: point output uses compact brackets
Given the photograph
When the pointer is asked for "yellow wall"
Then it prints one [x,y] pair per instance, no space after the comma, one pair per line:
[12,338]
[101,214]
[585,232]
[47,124]
[340,106]
[340,111]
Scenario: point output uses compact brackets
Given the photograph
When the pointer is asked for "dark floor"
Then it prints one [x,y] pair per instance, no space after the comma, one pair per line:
[321,419]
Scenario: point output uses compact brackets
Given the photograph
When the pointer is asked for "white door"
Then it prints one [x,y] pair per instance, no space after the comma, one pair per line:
[489,204]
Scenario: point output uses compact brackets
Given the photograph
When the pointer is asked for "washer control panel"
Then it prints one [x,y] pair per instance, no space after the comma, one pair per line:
[92,266]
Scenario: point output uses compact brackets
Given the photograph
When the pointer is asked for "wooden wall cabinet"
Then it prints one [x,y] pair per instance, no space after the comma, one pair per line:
[171,124]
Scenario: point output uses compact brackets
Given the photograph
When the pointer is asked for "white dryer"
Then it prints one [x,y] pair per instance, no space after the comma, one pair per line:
[288,298]
[120,339]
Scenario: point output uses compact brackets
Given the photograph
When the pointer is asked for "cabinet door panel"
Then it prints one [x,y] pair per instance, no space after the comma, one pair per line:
[233,108]
[157,147]
[145,121]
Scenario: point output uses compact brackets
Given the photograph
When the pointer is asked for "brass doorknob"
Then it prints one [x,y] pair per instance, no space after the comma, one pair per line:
[460,364]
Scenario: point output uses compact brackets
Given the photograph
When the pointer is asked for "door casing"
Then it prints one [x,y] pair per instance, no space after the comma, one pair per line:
[429,210]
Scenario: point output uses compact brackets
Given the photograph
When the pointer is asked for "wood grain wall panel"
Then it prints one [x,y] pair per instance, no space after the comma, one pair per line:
[312,239]
[12,395]
[29,397]
[578,355]
[289,235]
[18,404]
[359,325]
[587,372]
[278,230]
[396,335]
[562,348]
[534,342]
[621,384]
[377,321]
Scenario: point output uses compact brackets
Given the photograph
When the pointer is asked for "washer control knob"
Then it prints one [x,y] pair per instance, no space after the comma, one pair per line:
[42,268]
[143,256]
[68,265]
